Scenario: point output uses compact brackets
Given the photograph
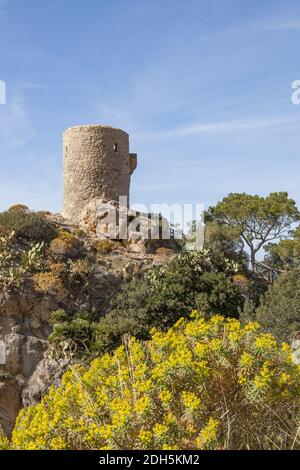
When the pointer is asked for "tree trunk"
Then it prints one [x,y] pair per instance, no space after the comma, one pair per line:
[252,258]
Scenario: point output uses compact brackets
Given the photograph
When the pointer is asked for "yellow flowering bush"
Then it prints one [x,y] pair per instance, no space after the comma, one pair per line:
[64,245]
[49,283]
[106,246]
[204,384]
[4,442]
[241,279]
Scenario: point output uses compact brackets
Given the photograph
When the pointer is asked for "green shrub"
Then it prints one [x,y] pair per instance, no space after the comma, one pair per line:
[279,311]
[18,207]
[75,333]
[79,271]
[79,232]
[58,316]
[65,245]
[49,283]
[27,225]
[187,282]
[17,263]
[104,247]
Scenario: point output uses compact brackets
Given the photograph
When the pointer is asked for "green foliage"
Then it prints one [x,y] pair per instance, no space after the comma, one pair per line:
[65,245]
[258,219]
[78,273]
[50,283]
[285,254]
[224,242]
[79,232]
[189,281]
[104,247]
[279,311]
[205,384]
[74,333]
[58,316]
[33,259]
[27,225]
[16,263]
[18,207]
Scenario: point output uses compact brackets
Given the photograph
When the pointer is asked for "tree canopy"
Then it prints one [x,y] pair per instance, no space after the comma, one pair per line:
[285,254]
[259,220]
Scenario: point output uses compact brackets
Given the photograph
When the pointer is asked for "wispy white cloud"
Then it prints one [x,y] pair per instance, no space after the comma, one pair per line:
[267,24]
[239,125]
[16,128]
[288,24]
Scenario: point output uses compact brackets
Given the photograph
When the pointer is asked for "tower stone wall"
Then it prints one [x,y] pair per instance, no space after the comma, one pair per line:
[97,166]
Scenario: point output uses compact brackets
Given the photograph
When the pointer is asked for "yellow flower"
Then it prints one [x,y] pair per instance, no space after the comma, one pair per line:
[242,379]
[190,400]
[179,323]
[133,397]
[284,378]
[170,447]
[169,419]
[252,326]
[285,347]
[208,436]
[181,357]
[165,396]
[145,437]
[233,324]
[234,336]
[196,315]
[246,360]
[266,341]
[160,430]
[215,344]
[217,320]
[201,349]
[142,405]
[263,380]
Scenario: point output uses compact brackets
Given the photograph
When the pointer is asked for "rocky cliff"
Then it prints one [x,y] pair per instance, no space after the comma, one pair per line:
[74,271]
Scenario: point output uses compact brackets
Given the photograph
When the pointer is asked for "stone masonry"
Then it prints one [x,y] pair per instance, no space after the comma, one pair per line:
[97,166]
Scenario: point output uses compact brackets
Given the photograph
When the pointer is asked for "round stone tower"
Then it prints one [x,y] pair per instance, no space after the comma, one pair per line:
[97,166]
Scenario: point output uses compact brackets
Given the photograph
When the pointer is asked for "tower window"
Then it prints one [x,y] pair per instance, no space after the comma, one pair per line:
[115,147]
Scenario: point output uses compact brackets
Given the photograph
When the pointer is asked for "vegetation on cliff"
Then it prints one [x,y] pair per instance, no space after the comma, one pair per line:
[158,378]
[204,384]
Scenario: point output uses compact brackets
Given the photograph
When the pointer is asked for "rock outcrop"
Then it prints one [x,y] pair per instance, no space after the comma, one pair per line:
[29,367]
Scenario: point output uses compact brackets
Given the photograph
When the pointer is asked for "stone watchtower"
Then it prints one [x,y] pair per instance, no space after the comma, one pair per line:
[97,166]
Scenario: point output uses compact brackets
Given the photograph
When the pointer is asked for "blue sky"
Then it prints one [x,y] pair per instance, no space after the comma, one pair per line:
[203,88]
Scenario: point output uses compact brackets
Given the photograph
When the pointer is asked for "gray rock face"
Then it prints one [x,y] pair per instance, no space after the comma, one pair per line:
[27,313]
[48,373]
[27,368]
[28,374]
[23,353]
[10,399]
[23,333]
